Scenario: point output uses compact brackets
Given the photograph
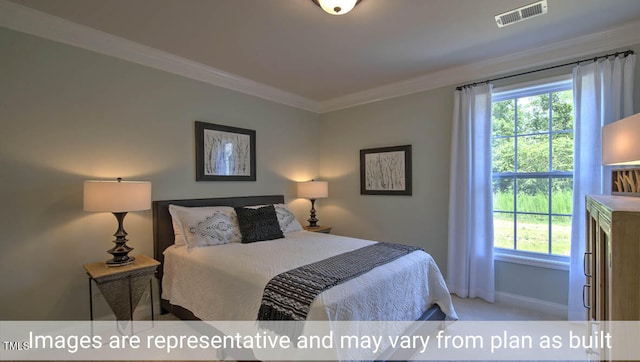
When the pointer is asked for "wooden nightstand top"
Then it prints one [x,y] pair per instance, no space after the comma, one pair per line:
[101,272]
[319,229]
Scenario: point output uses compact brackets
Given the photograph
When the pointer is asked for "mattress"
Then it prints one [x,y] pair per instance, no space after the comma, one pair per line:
[226,282]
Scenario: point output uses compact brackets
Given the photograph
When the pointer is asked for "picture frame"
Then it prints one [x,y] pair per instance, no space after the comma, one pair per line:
[224,153]
[386,171]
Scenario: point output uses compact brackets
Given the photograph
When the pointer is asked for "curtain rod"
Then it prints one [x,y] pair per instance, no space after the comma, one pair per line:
[616,54]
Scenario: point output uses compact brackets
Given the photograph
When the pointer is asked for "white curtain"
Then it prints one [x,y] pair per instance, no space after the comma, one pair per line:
[470,270]
[603,93]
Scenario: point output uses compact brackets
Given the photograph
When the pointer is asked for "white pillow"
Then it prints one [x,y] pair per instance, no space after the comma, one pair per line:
[287,219]
[203,226]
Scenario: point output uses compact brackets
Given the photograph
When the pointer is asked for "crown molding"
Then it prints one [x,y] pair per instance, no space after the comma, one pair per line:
[34,22]
[567,50]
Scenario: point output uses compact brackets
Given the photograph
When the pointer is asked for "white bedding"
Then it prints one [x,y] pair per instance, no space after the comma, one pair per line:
[225,282]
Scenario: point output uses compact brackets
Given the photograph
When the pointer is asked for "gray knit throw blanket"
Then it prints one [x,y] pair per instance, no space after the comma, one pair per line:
[288,296]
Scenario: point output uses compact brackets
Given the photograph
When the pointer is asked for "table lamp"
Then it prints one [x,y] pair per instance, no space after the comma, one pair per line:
[313,190]
[118,197]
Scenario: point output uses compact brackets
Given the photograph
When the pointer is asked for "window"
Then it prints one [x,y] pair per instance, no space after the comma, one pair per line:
[533,171]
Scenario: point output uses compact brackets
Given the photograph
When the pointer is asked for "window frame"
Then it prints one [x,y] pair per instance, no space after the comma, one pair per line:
[520,90]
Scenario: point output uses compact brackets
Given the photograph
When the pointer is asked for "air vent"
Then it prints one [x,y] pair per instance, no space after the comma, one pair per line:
[520,14]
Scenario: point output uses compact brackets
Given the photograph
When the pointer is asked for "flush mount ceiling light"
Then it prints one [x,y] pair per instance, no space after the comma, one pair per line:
[336,7]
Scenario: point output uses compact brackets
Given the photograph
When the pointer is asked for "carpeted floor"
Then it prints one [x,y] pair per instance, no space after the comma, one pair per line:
[468,310]
[479,310]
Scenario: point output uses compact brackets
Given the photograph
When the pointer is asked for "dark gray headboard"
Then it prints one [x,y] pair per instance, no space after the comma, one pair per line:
[163,227]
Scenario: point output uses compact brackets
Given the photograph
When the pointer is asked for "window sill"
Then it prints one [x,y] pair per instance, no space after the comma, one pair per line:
[526,260]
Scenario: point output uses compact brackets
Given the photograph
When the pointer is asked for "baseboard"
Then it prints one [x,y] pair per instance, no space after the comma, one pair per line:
[555,309]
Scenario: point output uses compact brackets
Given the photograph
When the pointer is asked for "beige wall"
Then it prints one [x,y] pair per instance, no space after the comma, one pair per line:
[67,115]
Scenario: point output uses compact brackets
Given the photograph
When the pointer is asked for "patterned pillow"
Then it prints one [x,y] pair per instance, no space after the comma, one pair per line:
[203,226]
[258,224]
[287,219]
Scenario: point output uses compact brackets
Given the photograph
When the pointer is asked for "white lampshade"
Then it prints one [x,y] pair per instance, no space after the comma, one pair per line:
[313,189]
[621,142]
[336,7]
[117,196]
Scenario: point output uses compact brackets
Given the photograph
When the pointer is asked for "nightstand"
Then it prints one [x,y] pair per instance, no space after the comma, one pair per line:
[122,286]
[319,229]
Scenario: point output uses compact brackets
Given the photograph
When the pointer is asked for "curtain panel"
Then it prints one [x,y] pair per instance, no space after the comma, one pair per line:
[603,93]
[470,268]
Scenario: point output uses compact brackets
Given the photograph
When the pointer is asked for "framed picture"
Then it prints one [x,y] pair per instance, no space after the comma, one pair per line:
[225,153]
[385,171]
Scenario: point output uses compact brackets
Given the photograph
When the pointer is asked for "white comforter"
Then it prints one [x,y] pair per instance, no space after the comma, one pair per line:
[225,282]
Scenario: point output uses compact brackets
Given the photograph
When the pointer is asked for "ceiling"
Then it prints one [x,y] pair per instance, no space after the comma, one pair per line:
[293,47]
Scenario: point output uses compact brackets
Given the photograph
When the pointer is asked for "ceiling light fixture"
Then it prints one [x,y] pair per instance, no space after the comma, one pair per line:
[336,7]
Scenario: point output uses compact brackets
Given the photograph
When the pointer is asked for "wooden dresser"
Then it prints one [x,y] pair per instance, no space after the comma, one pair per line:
[612,260]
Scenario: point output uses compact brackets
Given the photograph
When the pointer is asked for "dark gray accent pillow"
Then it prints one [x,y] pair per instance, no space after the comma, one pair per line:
[258,224]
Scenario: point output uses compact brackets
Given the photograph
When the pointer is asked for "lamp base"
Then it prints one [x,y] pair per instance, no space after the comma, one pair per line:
[313,221]
[120,262]
[120,250]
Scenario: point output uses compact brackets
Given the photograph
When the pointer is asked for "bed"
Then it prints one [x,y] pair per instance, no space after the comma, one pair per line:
[241,272]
